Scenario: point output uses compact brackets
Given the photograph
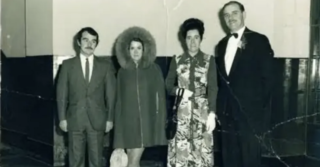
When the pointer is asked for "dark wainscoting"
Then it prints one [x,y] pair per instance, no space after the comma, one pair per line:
[313,141]
[287,135]
[28,106]
[313,126]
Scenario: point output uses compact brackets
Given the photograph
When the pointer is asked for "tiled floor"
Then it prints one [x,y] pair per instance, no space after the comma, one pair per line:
[14,158]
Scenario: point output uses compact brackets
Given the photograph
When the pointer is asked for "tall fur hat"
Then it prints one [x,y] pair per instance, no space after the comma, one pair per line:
[123,43]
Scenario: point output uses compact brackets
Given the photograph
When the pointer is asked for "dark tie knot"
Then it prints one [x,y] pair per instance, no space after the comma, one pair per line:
[233,34]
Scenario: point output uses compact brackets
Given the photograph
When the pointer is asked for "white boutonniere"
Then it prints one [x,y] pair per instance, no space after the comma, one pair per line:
[242,43]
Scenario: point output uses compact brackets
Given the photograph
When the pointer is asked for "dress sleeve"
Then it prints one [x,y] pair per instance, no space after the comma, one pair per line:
[118,125]
[161,88]
[161,94]
[110,91]
[118,95]
[161,98]
[171,80]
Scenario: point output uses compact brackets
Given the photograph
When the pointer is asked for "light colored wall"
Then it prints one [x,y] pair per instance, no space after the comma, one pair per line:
[39,27]
[13,28]
[291,28]
[26,27]
[49,26]
[161,17]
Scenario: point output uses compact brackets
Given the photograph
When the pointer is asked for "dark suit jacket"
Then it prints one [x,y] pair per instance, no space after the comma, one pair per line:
[250,80]
[75,98]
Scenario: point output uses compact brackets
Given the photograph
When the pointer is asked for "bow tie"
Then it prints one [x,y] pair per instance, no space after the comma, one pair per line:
[233,34]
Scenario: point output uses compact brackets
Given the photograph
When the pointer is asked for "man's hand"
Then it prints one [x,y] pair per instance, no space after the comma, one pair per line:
[211,122]
[63,125]
[109,126]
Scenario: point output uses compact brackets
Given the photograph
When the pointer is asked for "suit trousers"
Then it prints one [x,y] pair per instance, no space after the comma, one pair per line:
[79,139]
[240,146]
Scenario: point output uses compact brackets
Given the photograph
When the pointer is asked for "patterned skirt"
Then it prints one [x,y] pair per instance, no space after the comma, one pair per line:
[192,146]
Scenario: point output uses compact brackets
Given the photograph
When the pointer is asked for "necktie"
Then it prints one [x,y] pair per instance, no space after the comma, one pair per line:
[86,75]
[233,34]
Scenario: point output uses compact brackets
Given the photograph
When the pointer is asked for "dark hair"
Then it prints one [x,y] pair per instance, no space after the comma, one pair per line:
[137,40]
[89,30]
[192,24]
[242,9]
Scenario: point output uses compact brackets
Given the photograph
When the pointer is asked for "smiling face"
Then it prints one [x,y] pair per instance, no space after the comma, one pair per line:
[234,17]
[136,50]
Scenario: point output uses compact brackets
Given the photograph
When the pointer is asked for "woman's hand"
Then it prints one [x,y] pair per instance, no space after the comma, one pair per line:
[187,93]
[211,122]
[63,125]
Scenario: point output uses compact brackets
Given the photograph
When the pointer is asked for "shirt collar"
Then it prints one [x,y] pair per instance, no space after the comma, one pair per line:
[240,31]
[196,55]
[83,57]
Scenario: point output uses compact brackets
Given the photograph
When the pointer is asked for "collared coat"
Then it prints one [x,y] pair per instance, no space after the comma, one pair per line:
[140,113]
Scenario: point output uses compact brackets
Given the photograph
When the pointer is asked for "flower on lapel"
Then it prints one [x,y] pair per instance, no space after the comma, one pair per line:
[242,43]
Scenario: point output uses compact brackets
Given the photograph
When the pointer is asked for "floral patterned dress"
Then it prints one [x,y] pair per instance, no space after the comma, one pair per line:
[192,146]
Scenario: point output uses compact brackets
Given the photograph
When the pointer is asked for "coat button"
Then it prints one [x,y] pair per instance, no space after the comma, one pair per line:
[228,82]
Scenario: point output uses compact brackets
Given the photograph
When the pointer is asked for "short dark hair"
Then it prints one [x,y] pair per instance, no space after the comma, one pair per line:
[192,24]
[242,9]
[90,30]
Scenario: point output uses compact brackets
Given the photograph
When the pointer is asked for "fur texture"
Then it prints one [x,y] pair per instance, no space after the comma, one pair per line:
[123,43]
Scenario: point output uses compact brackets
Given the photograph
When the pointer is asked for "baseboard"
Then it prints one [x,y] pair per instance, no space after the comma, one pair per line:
[32,148]
[313,137]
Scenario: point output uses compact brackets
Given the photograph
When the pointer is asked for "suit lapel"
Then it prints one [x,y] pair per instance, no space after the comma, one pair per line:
[78,71]
[240,52]
[235,62]
[221,54]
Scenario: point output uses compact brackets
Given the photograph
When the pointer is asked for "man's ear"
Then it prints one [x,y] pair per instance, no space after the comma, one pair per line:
[244,15]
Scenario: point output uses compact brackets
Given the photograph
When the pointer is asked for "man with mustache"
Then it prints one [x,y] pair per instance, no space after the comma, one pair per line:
[86,98]
[244,63]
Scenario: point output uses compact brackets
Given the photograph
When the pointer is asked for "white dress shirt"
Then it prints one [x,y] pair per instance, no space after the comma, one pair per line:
[83,64]
[231,49]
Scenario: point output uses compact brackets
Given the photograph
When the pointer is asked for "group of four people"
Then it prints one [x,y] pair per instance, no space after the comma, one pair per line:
[232,88]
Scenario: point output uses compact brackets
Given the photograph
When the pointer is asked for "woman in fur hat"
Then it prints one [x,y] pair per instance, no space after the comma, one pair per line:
[193,142]
[140,115]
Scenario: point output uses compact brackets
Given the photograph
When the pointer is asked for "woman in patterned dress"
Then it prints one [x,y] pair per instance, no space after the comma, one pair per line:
[192,145]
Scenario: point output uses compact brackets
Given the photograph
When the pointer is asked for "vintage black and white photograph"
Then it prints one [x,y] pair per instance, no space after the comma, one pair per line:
[160,83]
